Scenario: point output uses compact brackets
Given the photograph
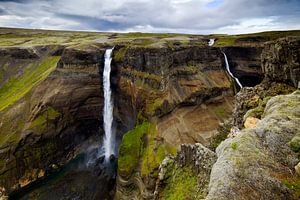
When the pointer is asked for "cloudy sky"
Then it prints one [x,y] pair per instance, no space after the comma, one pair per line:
[184,16]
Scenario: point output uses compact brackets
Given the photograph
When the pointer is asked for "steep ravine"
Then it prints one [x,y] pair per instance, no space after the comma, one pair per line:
[165,96]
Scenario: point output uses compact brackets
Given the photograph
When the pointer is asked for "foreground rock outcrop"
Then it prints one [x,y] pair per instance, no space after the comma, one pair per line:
[259,163]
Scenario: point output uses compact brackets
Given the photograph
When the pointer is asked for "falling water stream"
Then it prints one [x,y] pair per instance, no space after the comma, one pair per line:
[230,73]
[211,42]
[108,107]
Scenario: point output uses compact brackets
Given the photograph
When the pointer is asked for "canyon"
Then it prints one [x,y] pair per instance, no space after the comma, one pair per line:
[174,103]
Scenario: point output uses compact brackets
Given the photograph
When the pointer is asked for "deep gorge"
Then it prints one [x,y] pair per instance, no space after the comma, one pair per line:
[163,97]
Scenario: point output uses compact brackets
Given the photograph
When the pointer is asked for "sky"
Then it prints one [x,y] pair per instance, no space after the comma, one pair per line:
[174,16]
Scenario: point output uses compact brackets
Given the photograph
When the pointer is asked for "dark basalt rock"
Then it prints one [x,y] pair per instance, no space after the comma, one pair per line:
[281,60]
[19,53]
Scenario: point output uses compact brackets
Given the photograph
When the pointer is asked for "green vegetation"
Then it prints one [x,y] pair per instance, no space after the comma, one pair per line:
[41,121]
[258,111]
[253,38]
[119,55]
[223,131]
[293,183]
[153,154]
[181,185]
[141,150]
[131,148]
[220,112]
[16,88]
[234,145]
[156,104]
[295,143]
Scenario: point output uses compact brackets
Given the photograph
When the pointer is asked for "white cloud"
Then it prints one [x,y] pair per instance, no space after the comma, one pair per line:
[189,16]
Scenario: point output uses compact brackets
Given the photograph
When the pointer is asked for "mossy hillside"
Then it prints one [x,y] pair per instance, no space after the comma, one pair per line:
[150,108]
[182,185]
[131,148]
[43,120]
[142,151]
[119,54]
[16,88]
[153,154]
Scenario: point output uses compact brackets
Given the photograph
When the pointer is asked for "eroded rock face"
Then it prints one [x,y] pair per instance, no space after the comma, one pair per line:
[48,125]
[250,102]
[281,60]
[195,159]
[257,163]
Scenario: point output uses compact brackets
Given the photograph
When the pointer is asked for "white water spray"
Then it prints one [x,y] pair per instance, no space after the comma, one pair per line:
[109,139]
[211,42]
[228,70]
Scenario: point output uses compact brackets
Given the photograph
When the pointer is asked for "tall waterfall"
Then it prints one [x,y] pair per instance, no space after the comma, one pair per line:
[109,139]
[228,70]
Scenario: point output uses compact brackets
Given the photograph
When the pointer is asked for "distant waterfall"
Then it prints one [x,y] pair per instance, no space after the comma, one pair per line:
[211,42]
[109,139]
[228,70]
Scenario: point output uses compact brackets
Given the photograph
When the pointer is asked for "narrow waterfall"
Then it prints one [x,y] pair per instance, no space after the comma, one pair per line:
[211,42]
[109,139]
[228,70]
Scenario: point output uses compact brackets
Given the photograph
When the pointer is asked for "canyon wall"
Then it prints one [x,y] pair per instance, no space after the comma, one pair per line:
[163,97]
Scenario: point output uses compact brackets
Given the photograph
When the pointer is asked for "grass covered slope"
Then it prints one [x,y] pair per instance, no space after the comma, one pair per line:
[16,88]
[253,38]
[27,38]
[140,147]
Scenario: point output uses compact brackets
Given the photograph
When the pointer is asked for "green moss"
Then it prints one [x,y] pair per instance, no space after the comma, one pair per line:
[220,112]
[295,144]
[258,111]
[156,104]
[223,131]
[293,183]
[131,148]
[41,121]
[16,88]
[119,55]
[140,150]
[181,185]
[154,153]
[255,112]
[278,89]
[234,145]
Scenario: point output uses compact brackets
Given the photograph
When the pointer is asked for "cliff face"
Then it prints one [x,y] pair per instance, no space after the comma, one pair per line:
[164,96]
[185,93]
[46,126]
[260,157]
[280,60]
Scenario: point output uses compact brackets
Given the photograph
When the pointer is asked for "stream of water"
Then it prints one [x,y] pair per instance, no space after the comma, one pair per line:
[230,73]
[109,139]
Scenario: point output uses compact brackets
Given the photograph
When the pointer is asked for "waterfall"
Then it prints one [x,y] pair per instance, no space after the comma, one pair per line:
[211,42]
[109,139]
[228,70]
